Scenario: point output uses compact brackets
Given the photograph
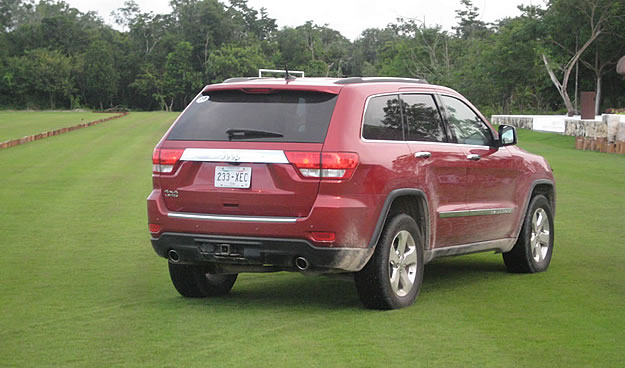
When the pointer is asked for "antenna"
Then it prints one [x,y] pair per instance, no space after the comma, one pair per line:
[280,71]
[288,76]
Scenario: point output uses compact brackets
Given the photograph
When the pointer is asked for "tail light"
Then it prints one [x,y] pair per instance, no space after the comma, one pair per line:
[324,165]
[164,160]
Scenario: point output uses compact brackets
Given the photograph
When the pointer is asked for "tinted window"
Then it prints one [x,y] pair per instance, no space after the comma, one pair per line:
[281,116]
[383,119]
[465,124]
[423,120]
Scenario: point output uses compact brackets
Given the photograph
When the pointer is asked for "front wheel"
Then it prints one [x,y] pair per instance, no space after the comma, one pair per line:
[392,277]
[534,247]
[195,281]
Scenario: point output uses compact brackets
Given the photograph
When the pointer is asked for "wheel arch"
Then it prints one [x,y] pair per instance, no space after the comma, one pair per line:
[406,200]
[545,187]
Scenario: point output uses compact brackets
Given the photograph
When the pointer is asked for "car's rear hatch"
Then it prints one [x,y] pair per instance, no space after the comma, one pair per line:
[235,149]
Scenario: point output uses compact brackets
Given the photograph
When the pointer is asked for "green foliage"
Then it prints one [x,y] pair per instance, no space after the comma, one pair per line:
[180,81]
[232,60]
[159,61]
[40,73]
[100,76]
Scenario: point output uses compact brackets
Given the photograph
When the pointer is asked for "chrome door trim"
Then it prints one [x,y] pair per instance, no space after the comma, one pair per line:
[234,155]
[490,211]
[232,218]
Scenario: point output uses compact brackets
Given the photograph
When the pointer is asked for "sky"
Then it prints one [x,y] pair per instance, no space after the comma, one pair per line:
[350,17]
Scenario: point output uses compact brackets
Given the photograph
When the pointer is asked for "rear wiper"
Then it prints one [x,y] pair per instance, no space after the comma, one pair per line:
[250,134]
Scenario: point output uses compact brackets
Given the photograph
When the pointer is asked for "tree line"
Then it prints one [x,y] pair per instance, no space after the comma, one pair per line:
[54,56]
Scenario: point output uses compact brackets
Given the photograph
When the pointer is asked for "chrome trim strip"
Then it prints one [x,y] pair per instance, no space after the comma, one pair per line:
[492,211]
[234,155]
[266,219]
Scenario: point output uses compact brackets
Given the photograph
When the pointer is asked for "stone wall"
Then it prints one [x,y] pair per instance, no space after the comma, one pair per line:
[521,122]
[606,135]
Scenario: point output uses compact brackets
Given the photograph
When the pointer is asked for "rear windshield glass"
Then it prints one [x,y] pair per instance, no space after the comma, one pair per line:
[280,116]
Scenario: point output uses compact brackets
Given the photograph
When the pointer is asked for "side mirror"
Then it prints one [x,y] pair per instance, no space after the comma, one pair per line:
[507,136]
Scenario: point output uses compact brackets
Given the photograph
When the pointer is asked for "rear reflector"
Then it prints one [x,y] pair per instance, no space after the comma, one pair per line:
[164,160]
[323,236]
[325,165]
[154,228]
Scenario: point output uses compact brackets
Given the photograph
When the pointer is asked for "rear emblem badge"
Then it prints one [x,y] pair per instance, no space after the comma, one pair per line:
[171,193]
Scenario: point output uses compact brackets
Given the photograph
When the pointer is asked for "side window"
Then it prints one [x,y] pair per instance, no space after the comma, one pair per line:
[465,124]
[423,120]
[383,119]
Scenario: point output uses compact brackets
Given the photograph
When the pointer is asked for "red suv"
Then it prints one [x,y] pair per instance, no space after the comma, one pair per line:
[370,176]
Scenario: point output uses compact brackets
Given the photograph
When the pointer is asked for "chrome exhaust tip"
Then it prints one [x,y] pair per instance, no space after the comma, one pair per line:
[173,256]
[301,263]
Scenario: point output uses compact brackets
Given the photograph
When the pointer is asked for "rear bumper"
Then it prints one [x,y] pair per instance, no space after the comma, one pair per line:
[351,218]
[257,254]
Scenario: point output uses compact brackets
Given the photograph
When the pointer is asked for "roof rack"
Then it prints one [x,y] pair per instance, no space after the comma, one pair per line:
[261,71]
[355,80]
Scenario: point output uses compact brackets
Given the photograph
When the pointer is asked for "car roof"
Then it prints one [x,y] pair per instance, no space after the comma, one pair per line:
[329,85]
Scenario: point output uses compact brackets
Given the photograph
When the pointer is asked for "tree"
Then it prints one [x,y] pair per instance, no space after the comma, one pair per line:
[234,61]
[99,73]
[49,72]
[149,83]
[180,80]
[564,18]
[422,52]
[13,12]
[469,26]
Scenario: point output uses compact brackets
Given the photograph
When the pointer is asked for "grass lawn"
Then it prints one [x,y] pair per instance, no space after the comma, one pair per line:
[81,286]
[17,124]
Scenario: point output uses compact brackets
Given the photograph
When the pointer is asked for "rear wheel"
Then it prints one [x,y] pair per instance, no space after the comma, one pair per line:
[392,277]
[195,281]
[534,247]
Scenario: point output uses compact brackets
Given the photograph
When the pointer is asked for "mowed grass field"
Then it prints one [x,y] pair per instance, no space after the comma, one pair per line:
[81,286]
[17,124]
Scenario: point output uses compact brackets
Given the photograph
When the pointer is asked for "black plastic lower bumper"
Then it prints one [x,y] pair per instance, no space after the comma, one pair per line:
[257,253]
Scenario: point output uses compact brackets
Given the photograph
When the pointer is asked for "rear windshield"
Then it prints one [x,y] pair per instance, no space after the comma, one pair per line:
[233,115]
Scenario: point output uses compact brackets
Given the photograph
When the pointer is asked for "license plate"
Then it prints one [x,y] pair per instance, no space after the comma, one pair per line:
[233,177]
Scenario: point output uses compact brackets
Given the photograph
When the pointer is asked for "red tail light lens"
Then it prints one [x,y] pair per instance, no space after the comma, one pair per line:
[325,165]
[164,160]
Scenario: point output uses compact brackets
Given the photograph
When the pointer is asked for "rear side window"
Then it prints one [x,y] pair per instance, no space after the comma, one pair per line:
[234,115]
[423,120]
[383,119]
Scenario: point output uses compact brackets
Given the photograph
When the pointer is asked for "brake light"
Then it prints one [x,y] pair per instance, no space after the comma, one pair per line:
[325,165]
[164,160]
[262,91]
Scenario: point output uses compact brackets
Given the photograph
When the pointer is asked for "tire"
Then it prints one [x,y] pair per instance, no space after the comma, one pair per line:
[193,281]
[392,277]
[182,276]
[211,284]
[534,247]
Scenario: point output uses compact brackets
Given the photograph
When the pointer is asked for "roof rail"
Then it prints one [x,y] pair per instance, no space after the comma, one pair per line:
[355,80]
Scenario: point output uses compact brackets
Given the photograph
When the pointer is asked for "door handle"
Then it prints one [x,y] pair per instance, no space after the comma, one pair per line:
[423,154]
[474,157]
